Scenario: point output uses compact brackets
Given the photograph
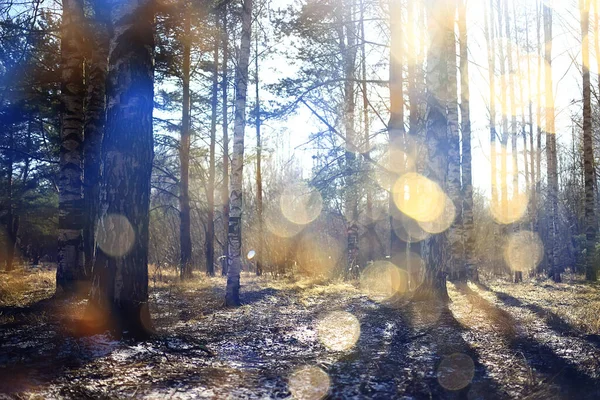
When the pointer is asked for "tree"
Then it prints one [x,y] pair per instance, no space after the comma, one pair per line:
[94,124]
[70,272]
[210,190]
[551,160]
[232,295]
[465,118]
[185,236]
[436,260]
[588,145]
[224,106]
[119,296]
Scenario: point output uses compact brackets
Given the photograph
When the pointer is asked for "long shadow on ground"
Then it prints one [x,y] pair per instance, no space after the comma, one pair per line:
[562,379]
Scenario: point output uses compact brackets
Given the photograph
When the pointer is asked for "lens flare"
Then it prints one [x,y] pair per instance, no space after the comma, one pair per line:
[412,265]
[309,383]
[456,371]
[318,255]
[512,211]
[523,251]
[278,225]
[419,197]
[301,204]
[251,255]
[399,158]
[383,280]
[115,235]
[443,222]
[409,230]
[338,331]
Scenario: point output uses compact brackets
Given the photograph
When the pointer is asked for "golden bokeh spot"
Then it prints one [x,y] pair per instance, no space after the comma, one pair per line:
[309,383]
[399,158]
[419,197]
[318,256]
[383,280]
[456,371]
[301,204]
[338,331]
[115,235]
[512,211]
[409,230]
[523,251]
[278,225]
[443,222]
[413,266]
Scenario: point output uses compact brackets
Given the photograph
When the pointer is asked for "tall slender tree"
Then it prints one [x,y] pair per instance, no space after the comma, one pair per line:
[185,234]
[70,272]
[225,124]
[588,145]
[465,117]
[551,159]
[232,295]
[490,35]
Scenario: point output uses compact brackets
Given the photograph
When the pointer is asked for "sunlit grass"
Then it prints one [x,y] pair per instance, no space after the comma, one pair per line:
[25,286]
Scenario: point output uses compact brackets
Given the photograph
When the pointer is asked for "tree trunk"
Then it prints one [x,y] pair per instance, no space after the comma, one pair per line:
[467,179]
[119,296]
[588,145]
[70,273]
[10,218]
[504,110]
[349,50]
[185,235]
[551,149]
[436,246]
[210,190]
[95,120]
[225,187]
[259,188]
[371,234]
[491,52]
[396,130]
[456,266]
[232,295]
[513,108]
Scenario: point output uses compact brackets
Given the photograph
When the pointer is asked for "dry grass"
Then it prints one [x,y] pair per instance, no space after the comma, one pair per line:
[25,286]
[576,302]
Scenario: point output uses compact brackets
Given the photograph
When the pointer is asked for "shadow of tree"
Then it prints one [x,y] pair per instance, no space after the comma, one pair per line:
[562,379]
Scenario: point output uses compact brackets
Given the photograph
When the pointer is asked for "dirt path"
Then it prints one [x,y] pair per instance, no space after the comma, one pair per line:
[286,340]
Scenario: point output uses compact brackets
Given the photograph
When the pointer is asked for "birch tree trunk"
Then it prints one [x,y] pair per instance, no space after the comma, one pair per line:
[588,145]
[465,117]
[119,296]
[504,111]
[185,235]
[436,246]
[551,149]
[210,190]
[456,265]
[491,52]
[513,103]
[95,121]
[70,272]
[396,128]
[225,117]
[259,189]
[232,295]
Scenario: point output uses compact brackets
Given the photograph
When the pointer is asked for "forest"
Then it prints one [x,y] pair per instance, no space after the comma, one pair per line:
[304,199]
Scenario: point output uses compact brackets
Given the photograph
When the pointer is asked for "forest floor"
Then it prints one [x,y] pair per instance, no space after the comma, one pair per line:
[536,340]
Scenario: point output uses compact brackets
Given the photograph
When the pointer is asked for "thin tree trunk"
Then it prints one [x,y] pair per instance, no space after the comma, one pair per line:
[10,218]
[588,145]
[396,128]
[224,106]
[348,49]
[465,116]
[522,103]
[95,121]
[367,139]
[532,187]
[436,246]
[119,296]
[259,189]
[504,110]
[513,108]
[551,149]
[70,273]
[456,266]
[232,295]
[491,52]
[210,190]
[538,158]
[185,235]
